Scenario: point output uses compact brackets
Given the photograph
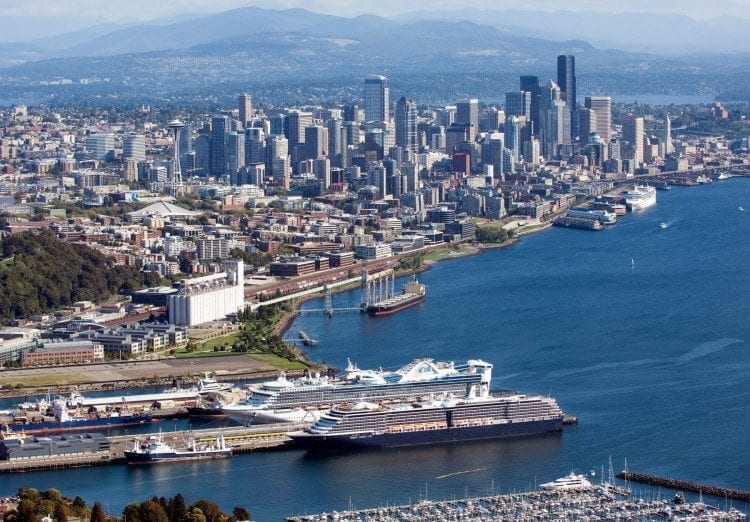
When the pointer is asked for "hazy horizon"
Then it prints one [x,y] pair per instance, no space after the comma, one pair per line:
[51,17]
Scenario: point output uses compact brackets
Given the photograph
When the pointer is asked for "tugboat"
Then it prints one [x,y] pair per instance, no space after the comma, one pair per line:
[153,450]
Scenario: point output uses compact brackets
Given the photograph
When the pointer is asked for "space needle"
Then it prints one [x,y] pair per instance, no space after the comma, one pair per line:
[174,184]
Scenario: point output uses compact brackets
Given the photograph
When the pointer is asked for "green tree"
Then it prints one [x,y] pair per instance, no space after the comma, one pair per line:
[240,513]
[152,511]
[196,515]
[177,509]
[97,513]
[26,510]
[61,513]
[210,510]
[131,512]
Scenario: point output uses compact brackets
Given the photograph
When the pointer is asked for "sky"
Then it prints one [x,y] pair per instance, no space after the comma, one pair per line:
[30,19]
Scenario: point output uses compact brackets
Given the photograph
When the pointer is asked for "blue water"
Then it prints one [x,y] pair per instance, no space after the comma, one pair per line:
[652,358]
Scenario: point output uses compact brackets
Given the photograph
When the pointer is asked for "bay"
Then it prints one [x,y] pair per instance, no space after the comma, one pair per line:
[652,358]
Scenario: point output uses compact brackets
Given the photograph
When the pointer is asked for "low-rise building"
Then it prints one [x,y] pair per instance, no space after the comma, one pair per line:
[69,352]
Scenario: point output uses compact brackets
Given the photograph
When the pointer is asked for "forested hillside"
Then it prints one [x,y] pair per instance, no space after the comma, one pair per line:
[39,273]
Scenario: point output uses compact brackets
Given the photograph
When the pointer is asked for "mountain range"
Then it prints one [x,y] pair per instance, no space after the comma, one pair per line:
[284,55]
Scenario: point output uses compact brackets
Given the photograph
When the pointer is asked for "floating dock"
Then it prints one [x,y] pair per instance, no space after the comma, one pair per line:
[685,485]
[597,503]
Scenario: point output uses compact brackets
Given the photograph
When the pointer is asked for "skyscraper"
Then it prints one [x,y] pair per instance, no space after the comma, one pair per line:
[255,148]
[246,108]
[467,113]
[518,103]
[586,124]
[406,124]
[667,135]
[632,132]
[602,106]
[376,98]
[235,151]
[219,129]
[316,142]
[566,80]
[530,84]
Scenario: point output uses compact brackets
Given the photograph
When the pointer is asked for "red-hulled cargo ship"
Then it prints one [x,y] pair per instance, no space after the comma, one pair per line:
[412,294]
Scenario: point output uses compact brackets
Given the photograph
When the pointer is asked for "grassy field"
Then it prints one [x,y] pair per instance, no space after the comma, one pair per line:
[45,380]
[277,362]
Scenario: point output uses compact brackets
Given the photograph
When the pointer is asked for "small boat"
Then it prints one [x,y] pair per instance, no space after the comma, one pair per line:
[740,209]
[632,262]
[153,450]
[664,225]
[208,384]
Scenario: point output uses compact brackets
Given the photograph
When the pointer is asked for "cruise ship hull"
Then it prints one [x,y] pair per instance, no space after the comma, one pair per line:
[265,416]
[136,458]
[416,438]
[384,310]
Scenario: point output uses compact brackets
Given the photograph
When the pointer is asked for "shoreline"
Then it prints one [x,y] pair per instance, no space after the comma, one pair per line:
[471,249]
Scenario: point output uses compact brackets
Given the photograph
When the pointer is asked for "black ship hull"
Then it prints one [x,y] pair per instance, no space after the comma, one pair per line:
[444,436]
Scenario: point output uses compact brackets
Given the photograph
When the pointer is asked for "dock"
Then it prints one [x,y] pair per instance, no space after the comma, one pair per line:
[596,503]
[240,439]
[685,485]
[306,339]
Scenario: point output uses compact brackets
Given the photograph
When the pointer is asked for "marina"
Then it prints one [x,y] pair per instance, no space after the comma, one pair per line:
[571,498]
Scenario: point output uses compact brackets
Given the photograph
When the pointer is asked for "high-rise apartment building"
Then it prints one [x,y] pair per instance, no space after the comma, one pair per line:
[134,147]
[101,145]
[377,98]
[602,106]
[406,124]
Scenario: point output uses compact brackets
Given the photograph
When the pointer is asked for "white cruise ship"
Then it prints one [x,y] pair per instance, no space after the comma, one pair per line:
[305,399]
[640,198]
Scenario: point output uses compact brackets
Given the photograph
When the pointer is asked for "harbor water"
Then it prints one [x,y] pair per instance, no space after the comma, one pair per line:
[652,356]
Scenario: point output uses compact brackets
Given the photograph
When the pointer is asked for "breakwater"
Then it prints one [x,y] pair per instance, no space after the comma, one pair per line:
[706,489]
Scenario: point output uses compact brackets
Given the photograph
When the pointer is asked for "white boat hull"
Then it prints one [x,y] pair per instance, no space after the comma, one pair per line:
[247,416]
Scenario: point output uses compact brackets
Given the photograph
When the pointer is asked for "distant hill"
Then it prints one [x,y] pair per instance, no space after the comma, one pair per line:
[663,34]
[293,56]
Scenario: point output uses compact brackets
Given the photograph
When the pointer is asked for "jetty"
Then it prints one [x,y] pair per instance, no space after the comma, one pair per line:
[706,489]
[306,339]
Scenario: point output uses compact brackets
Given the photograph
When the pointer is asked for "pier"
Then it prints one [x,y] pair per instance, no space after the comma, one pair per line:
[240,439]
[706,489]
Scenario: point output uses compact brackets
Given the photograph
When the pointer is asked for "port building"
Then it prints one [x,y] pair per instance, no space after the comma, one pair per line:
[208,298]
